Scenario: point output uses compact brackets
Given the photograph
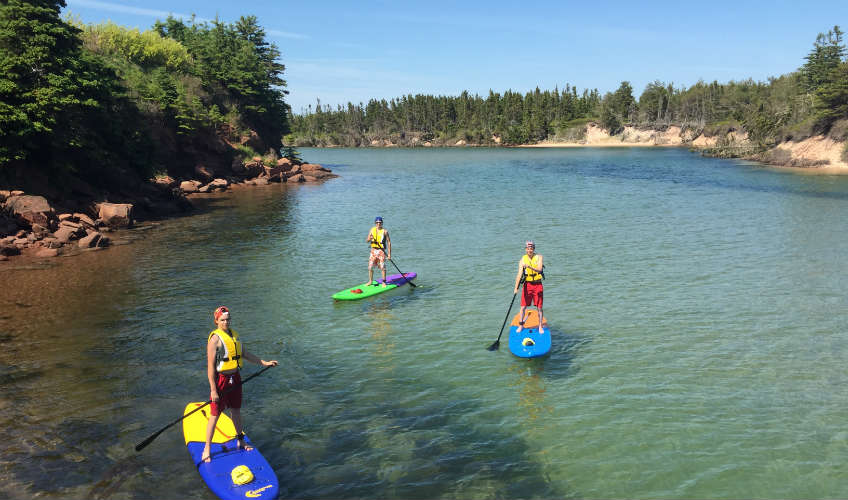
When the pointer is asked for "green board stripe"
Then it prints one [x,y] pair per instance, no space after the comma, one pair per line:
[366,291]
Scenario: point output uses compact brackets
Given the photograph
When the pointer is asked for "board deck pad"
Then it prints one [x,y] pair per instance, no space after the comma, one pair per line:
[531,342]
[226,456]
[367,290]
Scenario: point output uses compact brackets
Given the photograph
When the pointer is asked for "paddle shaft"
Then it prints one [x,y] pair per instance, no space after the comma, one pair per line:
[380,246]
[498,342]
[140,446]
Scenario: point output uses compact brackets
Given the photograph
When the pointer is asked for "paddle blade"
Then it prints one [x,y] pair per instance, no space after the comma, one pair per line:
[140,446]
[494,347]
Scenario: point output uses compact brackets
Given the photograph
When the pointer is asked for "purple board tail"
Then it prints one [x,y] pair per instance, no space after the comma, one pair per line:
[397,279]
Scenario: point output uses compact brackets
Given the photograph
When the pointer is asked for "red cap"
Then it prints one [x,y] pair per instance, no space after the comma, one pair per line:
[221,310]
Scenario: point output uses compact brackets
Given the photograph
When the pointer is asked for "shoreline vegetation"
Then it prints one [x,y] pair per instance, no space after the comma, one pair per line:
[102,126]
[796,120]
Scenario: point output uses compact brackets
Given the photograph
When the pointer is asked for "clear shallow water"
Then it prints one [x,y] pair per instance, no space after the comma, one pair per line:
[696,305]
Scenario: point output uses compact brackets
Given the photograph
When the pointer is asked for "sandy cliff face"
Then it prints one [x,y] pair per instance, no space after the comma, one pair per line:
[814,150]
[816,153]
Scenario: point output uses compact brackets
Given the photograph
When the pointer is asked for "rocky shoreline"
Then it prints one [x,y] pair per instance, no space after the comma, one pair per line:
[39,226]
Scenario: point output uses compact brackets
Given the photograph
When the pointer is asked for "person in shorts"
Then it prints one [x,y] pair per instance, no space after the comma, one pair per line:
[530,266]
[225,355]
[381,249]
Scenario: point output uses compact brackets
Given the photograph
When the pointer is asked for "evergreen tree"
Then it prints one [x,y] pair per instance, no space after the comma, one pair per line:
[831,101]
[41,78]
[828,51]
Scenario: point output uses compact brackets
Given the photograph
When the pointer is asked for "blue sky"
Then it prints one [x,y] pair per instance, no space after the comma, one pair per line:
[347,51]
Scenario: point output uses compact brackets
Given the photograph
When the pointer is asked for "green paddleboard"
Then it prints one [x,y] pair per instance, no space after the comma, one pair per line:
[361,291]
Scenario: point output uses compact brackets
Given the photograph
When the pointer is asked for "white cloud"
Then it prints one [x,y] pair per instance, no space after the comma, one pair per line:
[161,14]
[126,9]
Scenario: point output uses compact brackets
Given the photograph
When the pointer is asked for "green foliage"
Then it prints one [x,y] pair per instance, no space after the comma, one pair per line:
[828,51]
[831,98]
[147,49]
[245,152]
[515,118]
[291,154]
[62,109]
[239,69]
[112,104]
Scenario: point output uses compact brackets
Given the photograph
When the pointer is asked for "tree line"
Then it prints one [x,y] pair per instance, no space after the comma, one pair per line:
[806,102]
[111,104]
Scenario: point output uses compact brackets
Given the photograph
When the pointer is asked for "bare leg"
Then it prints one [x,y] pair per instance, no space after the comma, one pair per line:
[210,429]
[384,275]
[521,319]
[539,309]
[236,414]
[370,274]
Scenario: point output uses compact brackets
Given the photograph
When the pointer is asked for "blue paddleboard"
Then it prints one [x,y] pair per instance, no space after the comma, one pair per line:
[232,473]
[531,341]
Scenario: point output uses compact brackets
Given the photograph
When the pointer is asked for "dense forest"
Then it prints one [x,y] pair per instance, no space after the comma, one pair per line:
[114,106]
[795,106]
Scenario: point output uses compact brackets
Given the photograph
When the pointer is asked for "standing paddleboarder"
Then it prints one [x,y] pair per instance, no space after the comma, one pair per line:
[381,248]
[224,355]
[530,266]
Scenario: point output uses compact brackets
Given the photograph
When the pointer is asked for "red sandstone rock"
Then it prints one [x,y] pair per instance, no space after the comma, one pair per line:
[203,173]
[9,249]
[91,240]
[116,214]
[219,183]
[84,219]
[30,209]
[47,252]
[165,181]
[66,233]
[252,169]
[189,186]
[309,167]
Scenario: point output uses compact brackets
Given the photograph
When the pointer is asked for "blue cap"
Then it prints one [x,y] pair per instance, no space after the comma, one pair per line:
[378,219]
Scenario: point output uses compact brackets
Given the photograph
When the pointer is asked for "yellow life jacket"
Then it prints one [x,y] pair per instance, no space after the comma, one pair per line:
[230,358]
[378,238]
[530,276]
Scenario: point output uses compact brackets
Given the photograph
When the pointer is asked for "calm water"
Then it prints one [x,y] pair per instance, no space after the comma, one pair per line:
[697,309]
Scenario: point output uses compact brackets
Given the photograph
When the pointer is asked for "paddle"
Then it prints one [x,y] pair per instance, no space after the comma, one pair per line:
[497,343]
[393,263]
[140,446]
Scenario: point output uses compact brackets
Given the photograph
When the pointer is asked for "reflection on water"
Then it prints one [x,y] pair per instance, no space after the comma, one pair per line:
[379,314]
[530,386]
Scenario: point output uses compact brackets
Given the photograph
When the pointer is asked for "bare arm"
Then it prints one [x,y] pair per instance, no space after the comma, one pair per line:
[211,349]
[388,246]
[255,359]
[518,276]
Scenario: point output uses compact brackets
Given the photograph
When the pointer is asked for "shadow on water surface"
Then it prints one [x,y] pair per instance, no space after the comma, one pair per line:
[46,461]
[426,451]
[559,362]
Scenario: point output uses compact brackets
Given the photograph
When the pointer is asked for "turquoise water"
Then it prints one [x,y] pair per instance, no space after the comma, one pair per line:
[696,308]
